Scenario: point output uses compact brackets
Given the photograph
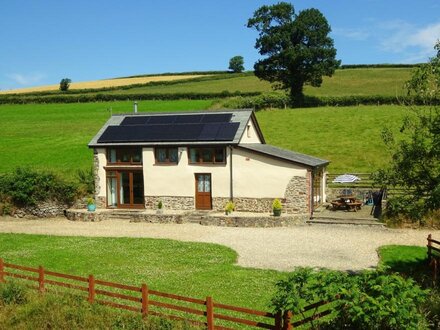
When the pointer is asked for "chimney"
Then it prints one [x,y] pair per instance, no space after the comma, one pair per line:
[135,107]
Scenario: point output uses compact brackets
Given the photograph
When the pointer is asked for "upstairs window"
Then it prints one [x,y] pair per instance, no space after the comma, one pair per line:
[127,156]
[207,155]
[166,155]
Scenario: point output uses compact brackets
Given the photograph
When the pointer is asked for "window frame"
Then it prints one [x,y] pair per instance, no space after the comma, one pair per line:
[200,158]
[168,161]
[119,151]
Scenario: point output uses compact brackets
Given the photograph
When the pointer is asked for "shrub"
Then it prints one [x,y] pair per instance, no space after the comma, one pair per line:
[26,187]
[86,180]
[229,207]
[376,300]
[369,300]
[276,205]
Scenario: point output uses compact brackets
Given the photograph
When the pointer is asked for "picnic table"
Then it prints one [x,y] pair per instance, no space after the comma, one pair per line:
[347,202]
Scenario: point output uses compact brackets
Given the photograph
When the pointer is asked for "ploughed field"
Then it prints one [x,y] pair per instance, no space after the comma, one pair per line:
[55,136]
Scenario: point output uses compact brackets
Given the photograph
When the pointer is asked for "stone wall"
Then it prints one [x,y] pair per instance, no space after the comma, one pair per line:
[99,201]
[170,202]
[296,199]
[42,210]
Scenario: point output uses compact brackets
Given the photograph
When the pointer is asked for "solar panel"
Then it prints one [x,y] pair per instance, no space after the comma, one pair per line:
[227,131]
[172,128]
[209,132]
[162,119]
[135,120]
[217,118]
[188,119]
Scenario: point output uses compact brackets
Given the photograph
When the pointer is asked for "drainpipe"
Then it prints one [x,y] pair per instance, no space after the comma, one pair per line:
[312,192]
[231,188]
[135,107]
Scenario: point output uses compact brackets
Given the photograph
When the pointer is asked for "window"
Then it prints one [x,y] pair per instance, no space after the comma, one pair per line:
[207,155]
[166,156]
[124,156]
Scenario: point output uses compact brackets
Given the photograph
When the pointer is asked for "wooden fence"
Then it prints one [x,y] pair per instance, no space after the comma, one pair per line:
[141,299]
[433,256]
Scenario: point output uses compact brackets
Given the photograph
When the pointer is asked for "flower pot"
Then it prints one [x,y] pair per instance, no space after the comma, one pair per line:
[91,207]
[276,212]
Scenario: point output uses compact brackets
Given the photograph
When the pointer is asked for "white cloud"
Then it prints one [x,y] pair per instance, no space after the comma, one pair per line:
[413,43]
[354,34]
[26,79]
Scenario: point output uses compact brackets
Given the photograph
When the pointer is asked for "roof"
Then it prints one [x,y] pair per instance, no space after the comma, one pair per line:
[283,154]
[174,128]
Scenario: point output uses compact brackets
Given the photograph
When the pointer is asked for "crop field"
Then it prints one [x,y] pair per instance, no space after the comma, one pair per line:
[101,83]
[55,136]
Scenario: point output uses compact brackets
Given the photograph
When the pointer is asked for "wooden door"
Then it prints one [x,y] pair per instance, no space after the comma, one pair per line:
[203,192]
[130,189]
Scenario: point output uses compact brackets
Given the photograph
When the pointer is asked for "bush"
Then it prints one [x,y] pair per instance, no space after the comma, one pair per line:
[370,300]
[26,187]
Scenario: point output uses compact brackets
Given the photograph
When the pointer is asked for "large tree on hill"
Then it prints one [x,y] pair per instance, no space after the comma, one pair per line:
[296,47]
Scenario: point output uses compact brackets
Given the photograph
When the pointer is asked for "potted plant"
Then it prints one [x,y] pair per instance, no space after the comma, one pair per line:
[276,207]
[159,207]
[230,206]
[91,206]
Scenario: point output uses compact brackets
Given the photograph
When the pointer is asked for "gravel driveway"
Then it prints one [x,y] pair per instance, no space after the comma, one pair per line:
[341,247]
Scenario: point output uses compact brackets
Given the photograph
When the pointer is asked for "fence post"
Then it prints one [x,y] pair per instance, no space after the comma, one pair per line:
[144,300]
[287,320]
[210,313]
[429,247]
[2,271]
[278,320]
[41,279]
[91,298]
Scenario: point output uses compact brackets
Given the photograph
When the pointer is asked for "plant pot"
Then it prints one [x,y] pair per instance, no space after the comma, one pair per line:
[276,212]
[91,207]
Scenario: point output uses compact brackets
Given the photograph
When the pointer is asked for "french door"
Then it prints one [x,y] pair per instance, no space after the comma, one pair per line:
[125,189]
[203,192]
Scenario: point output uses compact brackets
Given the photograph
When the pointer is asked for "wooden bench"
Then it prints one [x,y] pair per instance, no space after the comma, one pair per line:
[337,204]
[354,206]
[433,256]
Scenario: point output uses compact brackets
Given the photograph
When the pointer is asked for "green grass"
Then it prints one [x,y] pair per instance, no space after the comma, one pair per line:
[365,81]
[191,269]
[55,136]
[349,137]
[409,261]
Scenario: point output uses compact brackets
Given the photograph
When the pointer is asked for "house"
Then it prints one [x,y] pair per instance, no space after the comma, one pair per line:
[200,161]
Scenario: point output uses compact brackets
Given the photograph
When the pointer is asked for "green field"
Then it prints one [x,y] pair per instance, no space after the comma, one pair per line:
[55,136]
[372,81]
[191,269]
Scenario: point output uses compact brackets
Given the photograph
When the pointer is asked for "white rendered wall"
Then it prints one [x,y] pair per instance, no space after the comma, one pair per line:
[250,134]
[261,176]
[102,161]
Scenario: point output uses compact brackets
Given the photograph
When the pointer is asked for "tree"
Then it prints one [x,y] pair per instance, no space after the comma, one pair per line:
[297,47]
[415,152]
[65,84]
[236,64]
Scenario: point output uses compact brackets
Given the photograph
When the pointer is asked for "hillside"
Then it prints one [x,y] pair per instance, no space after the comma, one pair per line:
[382,81]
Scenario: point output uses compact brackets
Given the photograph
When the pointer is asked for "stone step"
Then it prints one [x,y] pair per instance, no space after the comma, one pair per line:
[340,221]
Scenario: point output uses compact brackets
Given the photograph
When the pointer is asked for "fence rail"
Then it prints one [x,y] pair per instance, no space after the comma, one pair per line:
[140,299]
[433,256]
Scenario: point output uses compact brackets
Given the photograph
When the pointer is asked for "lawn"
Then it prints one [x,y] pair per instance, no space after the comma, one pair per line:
[55,136]
[191,269]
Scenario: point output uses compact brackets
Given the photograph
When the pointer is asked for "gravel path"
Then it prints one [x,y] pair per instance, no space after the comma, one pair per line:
[341,247]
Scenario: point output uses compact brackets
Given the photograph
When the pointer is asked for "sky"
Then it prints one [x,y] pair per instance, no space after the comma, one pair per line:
[43,41]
